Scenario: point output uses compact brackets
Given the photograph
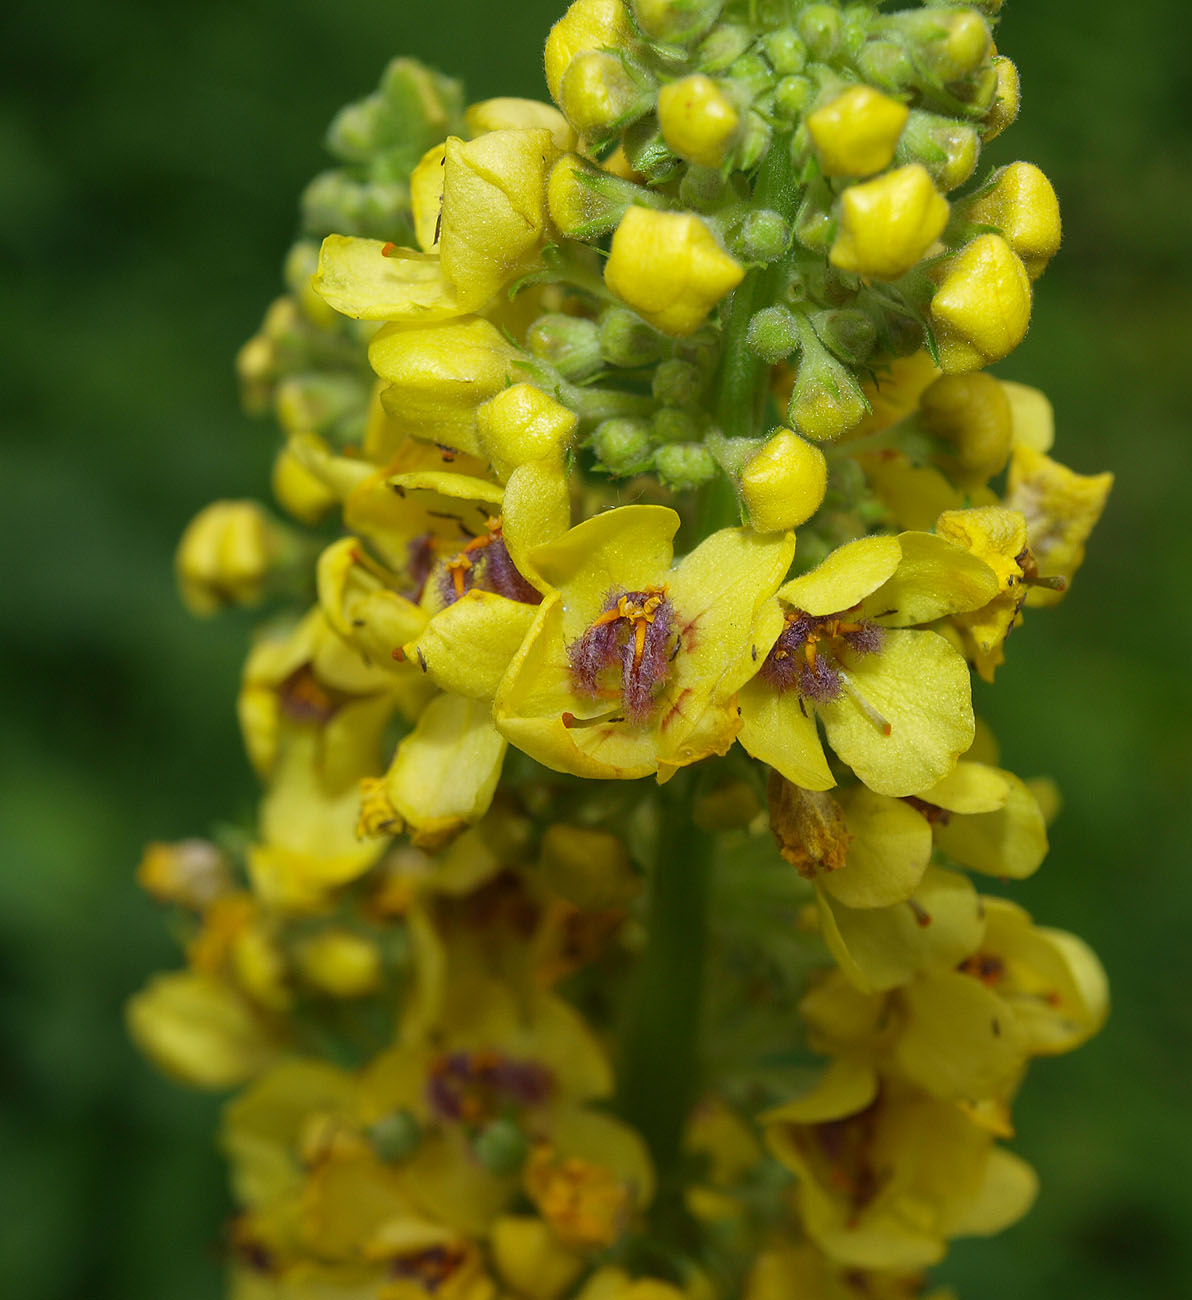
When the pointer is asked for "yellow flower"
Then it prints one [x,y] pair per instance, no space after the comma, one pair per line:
[698,120]
[855,134]
[587,25]
[631,665]
[226,555]
[193,873]
[506,113]
[669,268]
[1006,101]
[982,307]
[1061,508]
[531,1259]
[888,224]
[844,644]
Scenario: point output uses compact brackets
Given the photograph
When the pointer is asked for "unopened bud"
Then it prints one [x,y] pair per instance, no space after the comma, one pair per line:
[971,415]
[772,334]
[521,424]
[827,399]
[1020,202]
[785,50]
[507,113]
[226,554]
[784,484]
[339,963]
[626,339]
[316,402]
[698,120]
[815,225]
[949,43]
[422,105]
[886,64]
[888,224]
[1006,99]
[569,344]
[819,26]
[395,1137]
[647,152]
[669,268]
[968,334]
[501,1147]
[754,143]
[855,134]
[723,46]
[602,91]
[587,25]
[353,133]
[672,425]
[790,97]
[591,869]
[675,22]
[948,149]
[677,383]
[684,465]
[702,188]
[623,446]
[751,75]
[762,237]
[847,332]
[585,201]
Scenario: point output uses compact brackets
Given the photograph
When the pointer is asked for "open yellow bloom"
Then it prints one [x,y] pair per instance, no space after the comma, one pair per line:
[843,643]
[669,268]
[632,664]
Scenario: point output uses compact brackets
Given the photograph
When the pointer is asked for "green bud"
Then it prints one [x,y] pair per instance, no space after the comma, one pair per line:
[752,73]
[626,339]
[772,334]
[827,399]
[762,237]
[886,65]
[723,46]
[354,130]
[901,334]
[848,332]
[331,204]
[683,466]
[622,446]
[570,344]
[982,88]
[754,143]
[318,403]
[677,383]
[677,22]
[791,96]
[857,24]
[300,264]
[672,425]
[948,43]
[647,152]
[815,226]
[819,26]
[949,149]
[785,50]
[702,188]
[383,211]
[501,1147]
[395,1137]
[423,106]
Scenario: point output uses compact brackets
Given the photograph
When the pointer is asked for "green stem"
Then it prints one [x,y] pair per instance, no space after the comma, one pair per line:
[659,1071]
[740,387]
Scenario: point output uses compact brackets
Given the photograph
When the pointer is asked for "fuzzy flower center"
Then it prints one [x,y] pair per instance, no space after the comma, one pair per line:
[807,654]
[632,632]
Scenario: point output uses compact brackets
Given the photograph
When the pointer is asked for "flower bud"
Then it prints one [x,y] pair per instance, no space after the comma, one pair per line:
[888,224]
[591,869]
[676,22]
[677,383]
[947,148]
[318,402]
[395,1137]
[438,375]
[754,143]
[1021,203]
[587,25]
[622,446]
[522,424]
[501,1147]
[190,872]
[751,76]
[684,465]
[785,50]
[301,494]
[762,237]
[849,333]
[790,97]
[772,334]
[422,104]
[569,344]
[886,64]
[948,43]
[723,46]
[698,120]
[982,308]
[815,225]
[353,133]
[507,113]
[972,415]
[626,339]
[669,268]
[531,1259]
[672,425]
[855,133]
[339,963]
[819,26]
[602,91]
[702,188]
[784,484]
[585,201]
[827,399]
[1006,99]
[226,554]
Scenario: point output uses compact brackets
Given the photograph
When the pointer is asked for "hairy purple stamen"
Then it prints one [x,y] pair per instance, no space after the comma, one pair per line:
[501,575]
[634,630]
[807,651]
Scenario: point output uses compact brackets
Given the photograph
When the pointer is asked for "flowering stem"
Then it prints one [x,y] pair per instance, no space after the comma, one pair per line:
[658,1077]
[741,391]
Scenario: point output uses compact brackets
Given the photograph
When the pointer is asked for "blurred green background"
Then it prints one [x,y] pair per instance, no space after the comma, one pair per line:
[150,161]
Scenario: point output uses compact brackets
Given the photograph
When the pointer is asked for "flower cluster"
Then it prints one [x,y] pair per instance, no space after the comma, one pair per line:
[556,389]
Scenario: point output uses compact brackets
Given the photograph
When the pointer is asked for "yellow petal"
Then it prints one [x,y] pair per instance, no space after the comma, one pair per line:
[1007,1191]
[467,647]
[889,852]
[359,280]
[934,577]
[845,578]
[775,730]
[846,1087]
[536,509]
[1008,841]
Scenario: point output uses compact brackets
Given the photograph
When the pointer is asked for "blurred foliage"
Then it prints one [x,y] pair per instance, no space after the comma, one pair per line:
[151,159]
